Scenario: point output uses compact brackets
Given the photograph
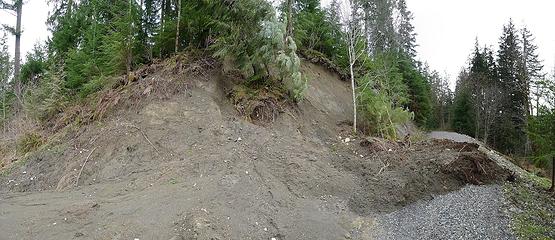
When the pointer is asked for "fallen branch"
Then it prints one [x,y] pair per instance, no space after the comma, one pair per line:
[462,148]
[480,166]
[144,135]
[82,167]
[383,168]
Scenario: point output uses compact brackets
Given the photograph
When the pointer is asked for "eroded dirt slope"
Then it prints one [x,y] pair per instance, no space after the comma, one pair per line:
[188,167]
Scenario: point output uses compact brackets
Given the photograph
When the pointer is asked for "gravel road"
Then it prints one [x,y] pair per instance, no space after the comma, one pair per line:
[473,212]
[457,137]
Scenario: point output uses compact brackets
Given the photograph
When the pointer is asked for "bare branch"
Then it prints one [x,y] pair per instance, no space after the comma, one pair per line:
[6,6]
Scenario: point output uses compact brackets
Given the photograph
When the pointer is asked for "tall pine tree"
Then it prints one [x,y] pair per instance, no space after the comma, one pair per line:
[512,130]
[532,66]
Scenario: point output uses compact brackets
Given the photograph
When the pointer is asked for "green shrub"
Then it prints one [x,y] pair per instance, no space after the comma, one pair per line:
[29,142]
[381,95]
[95,85]
[379,114]
[48,97]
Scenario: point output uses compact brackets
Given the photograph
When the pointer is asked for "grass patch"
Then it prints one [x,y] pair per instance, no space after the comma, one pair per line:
[9,170]
[29,142]
[532,209]
[540,182]
[527,229]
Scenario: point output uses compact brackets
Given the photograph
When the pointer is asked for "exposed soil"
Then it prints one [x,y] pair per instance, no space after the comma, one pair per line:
[188,166]
[402,173]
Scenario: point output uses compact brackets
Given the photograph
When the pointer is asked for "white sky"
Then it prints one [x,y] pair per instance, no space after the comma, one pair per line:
[35,13]
[446,28]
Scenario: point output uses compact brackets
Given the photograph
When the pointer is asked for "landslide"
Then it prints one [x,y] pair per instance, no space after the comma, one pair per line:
[172,158]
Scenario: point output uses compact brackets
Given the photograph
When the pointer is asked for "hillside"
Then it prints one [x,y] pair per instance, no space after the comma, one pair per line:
[180,162]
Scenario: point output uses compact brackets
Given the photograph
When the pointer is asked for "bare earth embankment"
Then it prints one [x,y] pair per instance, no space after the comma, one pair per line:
[187,166]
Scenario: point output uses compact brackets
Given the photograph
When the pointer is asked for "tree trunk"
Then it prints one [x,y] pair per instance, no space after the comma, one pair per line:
[352,57]
[177,29]
[289,30]
[552,189]
[4,109]
[17,57]
[538,101]
[69,7]
[486,133]
[162,22]
[477,129]
[129,57]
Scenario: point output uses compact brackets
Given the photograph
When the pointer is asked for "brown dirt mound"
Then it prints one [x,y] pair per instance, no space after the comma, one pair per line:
[398,173]
[475,168]
[375,145]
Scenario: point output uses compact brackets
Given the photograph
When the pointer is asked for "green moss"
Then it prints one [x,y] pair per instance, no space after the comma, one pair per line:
[538,181]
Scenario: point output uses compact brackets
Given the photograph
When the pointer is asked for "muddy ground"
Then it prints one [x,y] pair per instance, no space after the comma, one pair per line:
[189,167]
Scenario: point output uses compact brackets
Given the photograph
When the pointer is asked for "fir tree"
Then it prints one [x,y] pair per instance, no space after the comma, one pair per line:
[514,86]
[532,69]
[380,29]
[6,69]
[406,37]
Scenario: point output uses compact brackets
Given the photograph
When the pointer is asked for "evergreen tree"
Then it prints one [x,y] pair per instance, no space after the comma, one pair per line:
[419,89]
[463,121]
[6,68]
[514,86]
[382,95]
[379,26]
[442,98]
[150,21]
[5,63]
[463,114]
[35,65]
[406,37]
[532,69]
[336,47]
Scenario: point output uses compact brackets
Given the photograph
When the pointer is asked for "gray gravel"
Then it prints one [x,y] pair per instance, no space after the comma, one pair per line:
[473,212]
[457,137]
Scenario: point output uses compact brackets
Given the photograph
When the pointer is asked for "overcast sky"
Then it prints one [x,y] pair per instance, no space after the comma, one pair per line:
[34,17]
[446,29]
